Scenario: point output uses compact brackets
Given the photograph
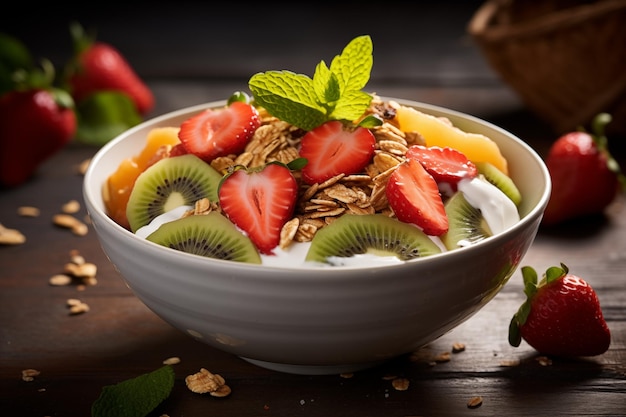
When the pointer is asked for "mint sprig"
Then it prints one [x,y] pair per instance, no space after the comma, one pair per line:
[334,93]
[135,397]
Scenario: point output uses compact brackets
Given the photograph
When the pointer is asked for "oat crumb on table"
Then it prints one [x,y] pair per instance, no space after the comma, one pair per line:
[11,236]
[475,402]
[207,382]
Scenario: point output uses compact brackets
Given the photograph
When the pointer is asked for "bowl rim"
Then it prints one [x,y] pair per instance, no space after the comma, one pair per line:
[535,213]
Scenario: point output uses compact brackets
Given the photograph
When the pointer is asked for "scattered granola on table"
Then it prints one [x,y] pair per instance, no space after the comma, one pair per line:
[11,236]
[204,382]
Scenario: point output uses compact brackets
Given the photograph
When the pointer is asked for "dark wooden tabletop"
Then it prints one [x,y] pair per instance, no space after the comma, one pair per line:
[201,56]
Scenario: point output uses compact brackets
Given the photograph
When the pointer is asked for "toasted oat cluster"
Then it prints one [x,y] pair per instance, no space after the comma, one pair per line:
[204,382]
[320,204]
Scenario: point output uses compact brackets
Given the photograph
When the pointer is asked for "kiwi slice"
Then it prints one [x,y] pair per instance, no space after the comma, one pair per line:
[211,235]
[500,180]
[170,183]
[377,234]
[467,225]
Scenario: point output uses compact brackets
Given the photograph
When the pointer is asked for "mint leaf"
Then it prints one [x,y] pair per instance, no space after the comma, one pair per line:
[326,84]
[334,93]
[351,105]
[372,120]
[288,96]
[354,65]
[135,397]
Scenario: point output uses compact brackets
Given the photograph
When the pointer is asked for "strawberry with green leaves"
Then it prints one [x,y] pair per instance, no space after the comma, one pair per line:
[585,177]
[36,121]
[219,132]
[561,316]
[414,197]
[259,201]
[99,67]
[335,148]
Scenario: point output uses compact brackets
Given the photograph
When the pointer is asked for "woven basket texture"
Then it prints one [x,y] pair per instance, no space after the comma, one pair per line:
[565,59]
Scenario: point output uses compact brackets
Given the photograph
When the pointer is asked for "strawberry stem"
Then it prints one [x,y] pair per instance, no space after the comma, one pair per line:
[554,273]
[601,141]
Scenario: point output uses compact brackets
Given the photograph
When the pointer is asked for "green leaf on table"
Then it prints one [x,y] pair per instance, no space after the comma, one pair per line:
[135,397]
[334,93]
[104,115]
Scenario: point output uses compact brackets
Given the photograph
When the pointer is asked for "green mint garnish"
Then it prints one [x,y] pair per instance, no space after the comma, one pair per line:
[239,96]
[370,121]
[334,93]
[135,397]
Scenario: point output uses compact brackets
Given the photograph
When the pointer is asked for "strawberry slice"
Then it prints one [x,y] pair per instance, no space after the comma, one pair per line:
[260,201]
[414,197]
[332,149]
[219,132]
[444,164]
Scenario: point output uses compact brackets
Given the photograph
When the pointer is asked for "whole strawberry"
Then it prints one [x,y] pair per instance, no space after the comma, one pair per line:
[98,66]
[585,177]
[561,316]
[36,121]
[34,125]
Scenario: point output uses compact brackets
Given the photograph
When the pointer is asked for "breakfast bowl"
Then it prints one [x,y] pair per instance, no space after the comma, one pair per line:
[308,319]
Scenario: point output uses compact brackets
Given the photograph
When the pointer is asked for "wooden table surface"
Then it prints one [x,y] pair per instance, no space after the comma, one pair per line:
[119,338]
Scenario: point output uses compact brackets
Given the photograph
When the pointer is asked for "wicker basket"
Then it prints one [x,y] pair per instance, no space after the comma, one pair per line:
[565,59]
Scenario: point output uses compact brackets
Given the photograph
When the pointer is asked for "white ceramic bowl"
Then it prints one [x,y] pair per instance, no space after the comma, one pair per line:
[318,321]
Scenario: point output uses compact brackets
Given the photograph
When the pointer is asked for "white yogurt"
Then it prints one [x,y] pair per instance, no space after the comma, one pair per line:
[168,216]
[499,211]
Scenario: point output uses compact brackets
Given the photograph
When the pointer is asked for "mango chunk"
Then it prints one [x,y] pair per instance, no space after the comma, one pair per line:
[119,184]
[440,132]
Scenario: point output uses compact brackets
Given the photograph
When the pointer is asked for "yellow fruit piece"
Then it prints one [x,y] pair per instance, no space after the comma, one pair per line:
[440,132]
[119,184]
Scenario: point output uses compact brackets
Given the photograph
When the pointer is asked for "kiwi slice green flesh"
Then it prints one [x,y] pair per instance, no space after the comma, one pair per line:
[500,180]
[377,234]
[170,183]
[211,235]
[467,225]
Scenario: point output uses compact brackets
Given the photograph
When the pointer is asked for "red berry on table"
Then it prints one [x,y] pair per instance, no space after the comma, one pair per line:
[414,197]
[98,66]
[219,132]
[34,125]
[260,201]
[333,148]
[561,316]
[585,177]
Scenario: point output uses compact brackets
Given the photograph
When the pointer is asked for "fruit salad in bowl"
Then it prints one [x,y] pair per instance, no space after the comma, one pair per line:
[312,227]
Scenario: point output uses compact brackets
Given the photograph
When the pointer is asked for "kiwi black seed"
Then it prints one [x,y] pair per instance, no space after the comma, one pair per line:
[211,235]
[467,224]
[378,234]
[170,183]
[500,180]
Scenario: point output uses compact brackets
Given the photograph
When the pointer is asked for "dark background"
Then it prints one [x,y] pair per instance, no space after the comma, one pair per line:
[205,50]
[420,42]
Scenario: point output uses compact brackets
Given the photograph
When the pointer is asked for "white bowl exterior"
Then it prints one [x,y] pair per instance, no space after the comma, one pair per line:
[332,318]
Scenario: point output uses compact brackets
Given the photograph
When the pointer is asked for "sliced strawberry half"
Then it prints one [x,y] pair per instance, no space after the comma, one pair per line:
[332,149]
[444,164]
[219,132]
[260,202]
[414,197]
